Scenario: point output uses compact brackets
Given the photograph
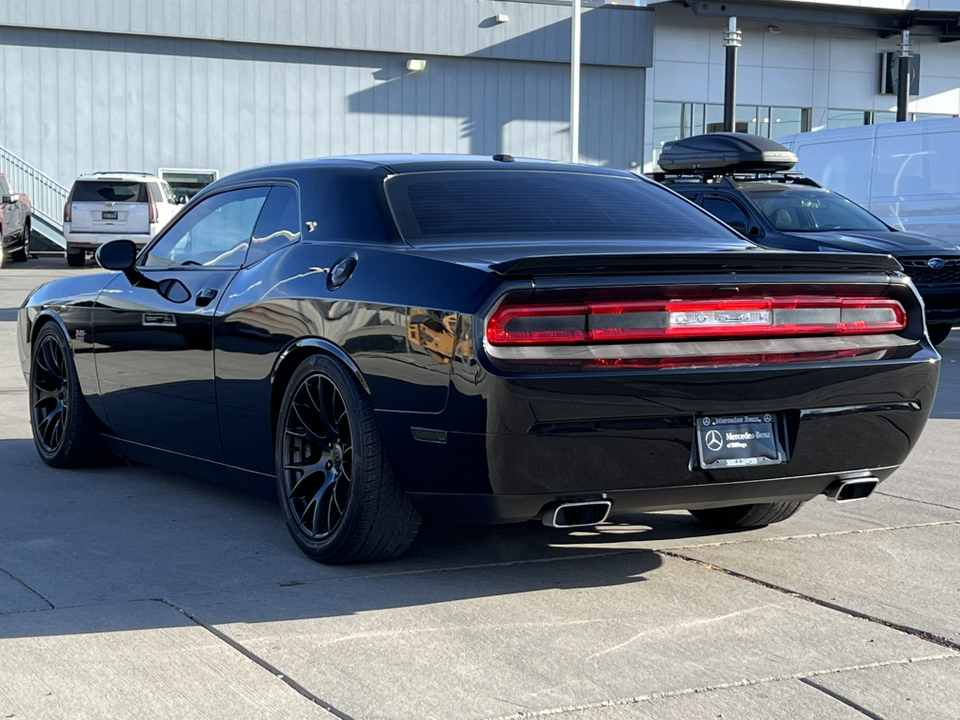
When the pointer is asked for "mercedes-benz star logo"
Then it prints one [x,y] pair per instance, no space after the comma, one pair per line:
[714,440]
[936,263]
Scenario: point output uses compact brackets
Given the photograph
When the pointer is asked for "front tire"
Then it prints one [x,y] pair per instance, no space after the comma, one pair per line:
[939,333]
[23,253]
[340,498]
[744,517]
[64,426]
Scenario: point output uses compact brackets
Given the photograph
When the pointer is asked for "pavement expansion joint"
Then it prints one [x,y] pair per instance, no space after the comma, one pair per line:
[250,655]
[921,502]
[832,533]
[916,632]
[18,580]
[840,698]
[747,682]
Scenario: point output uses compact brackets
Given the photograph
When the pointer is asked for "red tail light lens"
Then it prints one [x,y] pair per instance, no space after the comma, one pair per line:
[66,212]
[606,322]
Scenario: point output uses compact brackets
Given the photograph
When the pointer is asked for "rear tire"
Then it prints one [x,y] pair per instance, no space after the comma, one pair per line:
[746,516]
[939,333]
[23,253]
[340,498]
[64,427]
[76,258]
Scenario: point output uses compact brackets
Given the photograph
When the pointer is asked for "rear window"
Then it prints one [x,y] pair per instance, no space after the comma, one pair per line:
[102,191]
[434,206]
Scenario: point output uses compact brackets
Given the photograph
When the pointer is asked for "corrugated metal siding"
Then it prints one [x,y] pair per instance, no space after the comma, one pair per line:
[79,102]
[613,35]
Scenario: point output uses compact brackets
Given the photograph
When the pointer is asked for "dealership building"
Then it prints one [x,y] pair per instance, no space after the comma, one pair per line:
[195,89]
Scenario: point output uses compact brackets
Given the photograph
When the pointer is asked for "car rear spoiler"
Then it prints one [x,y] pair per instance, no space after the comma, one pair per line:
[696,263]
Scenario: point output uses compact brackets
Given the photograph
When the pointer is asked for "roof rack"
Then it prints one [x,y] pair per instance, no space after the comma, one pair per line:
[121,172]
[794,178]
[724,154]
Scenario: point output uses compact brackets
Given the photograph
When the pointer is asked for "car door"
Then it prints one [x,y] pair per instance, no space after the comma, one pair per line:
[154,327]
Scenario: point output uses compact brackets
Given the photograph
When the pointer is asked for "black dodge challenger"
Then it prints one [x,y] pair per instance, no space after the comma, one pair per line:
[478,340]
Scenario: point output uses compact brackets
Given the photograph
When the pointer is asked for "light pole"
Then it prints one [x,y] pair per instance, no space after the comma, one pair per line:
[575,84]
[903,76]
[731,39]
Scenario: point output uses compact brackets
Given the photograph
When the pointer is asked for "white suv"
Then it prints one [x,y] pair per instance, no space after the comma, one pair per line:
[104,206]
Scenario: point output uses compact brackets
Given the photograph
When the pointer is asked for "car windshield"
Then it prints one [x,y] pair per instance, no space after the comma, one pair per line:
[519,203]
[813,211]
[109,191]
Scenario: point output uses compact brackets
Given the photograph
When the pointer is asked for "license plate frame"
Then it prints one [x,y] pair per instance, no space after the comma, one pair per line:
[740,441]
[108,215]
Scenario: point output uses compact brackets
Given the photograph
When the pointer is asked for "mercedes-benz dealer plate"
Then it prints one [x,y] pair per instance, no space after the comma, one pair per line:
[728,441]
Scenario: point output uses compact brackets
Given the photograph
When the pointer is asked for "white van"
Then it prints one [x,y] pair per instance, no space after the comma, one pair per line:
[905,173]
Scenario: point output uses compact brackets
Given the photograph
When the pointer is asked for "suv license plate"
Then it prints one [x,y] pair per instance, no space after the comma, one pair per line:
[728,441]
[109,215]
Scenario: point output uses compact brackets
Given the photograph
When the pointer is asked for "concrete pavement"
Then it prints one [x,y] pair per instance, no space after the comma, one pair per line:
[132,592]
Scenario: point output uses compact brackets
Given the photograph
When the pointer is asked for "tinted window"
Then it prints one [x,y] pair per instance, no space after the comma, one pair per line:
[100,191]
[4,186]
[799,211]
[512,203]
[279,224]
[216,232]
[726,211]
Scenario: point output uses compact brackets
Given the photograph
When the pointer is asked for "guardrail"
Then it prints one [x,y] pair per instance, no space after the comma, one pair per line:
[47,196]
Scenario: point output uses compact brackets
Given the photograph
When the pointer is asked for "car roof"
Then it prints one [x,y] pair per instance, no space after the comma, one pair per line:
[777,187]
[119,175]
[413,162]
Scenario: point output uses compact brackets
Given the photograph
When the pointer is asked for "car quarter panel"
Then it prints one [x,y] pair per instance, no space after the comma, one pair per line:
[396,316]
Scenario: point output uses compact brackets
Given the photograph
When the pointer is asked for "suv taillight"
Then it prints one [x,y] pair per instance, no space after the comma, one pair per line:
[66,211]
[151,206]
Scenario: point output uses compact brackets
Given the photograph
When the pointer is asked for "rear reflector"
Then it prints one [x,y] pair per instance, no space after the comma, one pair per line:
[651,320]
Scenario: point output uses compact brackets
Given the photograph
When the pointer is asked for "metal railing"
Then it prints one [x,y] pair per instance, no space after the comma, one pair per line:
[47,196]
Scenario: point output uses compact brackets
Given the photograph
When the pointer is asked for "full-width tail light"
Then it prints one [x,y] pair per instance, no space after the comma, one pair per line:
[653,320]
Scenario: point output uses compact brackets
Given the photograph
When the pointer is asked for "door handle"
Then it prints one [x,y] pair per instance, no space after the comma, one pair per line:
[206,296]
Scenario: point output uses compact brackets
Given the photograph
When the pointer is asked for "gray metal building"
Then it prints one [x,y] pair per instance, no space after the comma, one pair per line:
[225,84]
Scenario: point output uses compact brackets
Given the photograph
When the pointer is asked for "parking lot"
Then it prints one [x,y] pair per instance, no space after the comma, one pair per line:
[126,591]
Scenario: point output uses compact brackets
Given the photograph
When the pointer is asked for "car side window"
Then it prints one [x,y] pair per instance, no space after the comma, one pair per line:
[4,186]
[278,226]
[728,212]
[216,232]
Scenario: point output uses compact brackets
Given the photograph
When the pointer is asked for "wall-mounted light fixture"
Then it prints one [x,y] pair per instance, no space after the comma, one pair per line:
[416,65]
[501,18]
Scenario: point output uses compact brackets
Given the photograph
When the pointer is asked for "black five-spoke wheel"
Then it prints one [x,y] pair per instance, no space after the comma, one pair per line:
[318,456]
[340,498]
[65,430]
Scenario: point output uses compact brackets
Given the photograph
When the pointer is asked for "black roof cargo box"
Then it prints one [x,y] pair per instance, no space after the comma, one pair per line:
[719,153]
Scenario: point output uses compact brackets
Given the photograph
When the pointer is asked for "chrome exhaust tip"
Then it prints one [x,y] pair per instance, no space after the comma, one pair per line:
[577,514]
[853,489]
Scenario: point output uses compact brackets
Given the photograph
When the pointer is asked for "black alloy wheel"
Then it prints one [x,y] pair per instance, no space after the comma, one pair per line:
[50,391]
[318,456]
[340,498]
[65,430]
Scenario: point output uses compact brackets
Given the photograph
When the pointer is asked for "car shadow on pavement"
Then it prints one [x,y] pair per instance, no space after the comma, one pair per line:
[128,533]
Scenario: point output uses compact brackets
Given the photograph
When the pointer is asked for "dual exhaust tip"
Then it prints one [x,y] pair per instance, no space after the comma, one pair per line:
[594,512]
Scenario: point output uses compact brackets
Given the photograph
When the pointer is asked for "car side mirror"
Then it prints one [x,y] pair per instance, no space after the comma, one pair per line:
[12,198]
[182,199]
[117,255]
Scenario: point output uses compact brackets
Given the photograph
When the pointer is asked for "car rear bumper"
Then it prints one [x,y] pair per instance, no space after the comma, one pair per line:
[631,437]
[91,241]
[445,509]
